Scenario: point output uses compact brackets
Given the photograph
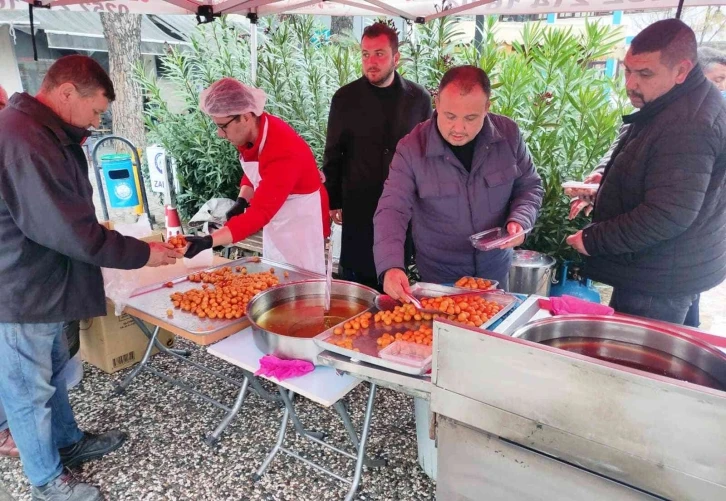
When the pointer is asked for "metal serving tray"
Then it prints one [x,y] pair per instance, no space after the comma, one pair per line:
[367,342]
[505,300]
[154,299]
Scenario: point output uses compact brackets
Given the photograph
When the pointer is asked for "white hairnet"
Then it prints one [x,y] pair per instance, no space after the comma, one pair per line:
[227,97]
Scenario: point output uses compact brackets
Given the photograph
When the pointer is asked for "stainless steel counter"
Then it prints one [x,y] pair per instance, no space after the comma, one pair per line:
[520,420]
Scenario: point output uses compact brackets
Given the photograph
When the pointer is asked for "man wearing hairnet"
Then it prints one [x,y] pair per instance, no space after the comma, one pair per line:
[281,189]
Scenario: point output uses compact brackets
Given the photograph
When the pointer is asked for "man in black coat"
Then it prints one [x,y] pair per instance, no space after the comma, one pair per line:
[367,119]
[659,225]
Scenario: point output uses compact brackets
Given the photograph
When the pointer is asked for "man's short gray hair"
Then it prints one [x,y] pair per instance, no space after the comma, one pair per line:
[708,56]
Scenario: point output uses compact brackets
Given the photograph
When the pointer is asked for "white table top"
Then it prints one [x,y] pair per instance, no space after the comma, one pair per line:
[323,386]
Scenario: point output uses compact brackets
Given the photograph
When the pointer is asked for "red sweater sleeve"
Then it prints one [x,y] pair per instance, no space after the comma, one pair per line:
[278,178]
[245,181]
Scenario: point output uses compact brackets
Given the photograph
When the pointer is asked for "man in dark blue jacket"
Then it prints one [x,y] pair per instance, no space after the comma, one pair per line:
[659,224]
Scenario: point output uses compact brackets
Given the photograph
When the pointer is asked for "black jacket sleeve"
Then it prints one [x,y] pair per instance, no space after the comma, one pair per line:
[41,198]
[334,155]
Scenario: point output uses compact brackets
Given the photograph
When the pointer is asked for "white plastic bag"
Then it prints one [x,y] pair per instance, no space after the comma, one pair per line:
[120,284]
[213,213]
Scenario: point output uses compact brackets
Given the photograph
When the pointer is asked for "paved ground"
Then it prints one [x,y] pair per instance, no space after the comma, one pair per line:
[165,458]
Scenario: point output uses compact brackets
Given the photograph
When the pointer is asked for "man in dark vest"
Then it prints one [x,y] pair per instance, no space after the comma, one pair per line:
[367,119]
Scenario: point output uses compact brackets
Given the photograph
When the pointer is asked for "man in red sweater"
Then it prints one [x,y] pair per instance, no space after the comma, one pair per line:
[281,190]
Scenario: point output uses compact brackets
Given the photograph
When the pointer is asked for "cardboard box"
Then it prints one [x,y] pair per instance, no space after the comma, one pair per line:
[113,343]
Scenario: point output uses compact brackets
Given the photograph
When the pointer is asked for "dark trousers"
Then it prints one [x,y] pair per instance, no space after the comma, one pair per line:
[354,276]
[671,309]
[693,317]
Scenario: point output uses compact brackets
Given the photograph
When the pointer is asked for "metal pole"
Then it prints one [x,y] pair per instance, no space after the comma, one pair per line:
[253,49]
[99,183]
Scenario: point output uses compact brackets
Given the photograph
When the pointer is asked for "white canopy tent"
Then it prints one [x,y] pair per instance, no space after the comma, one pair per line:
[411,10]
[418,11]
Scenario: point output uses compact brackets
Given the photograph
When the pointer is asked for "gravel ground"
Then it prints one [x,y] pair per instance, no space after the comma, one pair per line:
[165,458]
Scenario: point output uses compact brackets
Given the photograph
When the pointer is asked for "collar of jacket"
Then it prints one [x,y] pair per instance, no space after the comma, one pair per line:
[398,81]
[436,146]
[693,80]
[66,133]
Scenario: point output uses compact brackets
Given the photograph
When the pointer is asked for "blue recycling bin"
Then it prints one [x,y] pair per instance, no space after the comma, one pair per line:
[118,171]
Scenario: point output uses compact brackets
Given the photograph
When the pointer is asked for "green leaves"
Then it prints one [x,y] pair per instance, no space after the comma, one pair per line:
[568,112]
[297,68]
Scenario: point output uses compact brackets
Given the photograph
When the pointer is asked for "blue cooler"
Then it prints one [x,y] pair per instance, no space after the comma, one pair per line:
[118,172]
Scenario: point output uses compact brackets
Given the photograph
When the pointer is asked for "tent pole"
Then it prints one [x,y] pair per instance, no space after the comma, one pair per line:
[253,47]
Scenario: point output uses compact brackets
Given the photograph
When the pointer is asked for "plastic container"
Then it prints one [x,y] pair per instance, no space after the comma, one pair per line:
[493,239]
[578,188]
[407,353]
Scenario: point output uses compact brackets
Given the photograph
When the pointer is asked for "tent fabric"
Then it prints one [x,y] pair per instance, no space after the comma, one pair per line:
[414,10]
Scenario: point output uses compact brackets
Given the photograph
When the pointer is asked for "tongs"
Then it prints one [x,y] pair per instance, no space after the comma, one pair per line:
[384,302]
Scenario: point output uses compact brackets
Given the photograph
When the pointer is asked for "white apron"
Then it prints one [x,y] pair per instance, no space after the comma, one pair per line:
[295,234]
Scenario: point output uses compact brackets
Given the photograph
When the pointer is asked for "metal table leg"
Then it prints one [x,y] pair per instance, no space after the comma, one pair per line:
[363,443]
[359,445]
[212,439]
[182,355]
[121,387]
[278,444]
[287,401]
[342,409]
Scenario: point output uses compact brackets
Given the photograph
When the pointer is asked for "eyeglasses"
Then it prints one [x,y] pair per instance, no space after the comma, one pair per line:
[223,128]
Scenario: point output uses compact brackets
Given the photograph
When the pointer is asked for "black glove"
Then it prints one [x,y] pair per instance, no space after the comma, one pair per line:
[197,245]
[238,208]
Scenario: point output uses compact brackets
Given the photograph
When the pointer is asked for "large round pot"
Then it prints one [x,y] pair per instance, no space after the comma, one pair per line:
[297,303]
[633,343]
[531,273]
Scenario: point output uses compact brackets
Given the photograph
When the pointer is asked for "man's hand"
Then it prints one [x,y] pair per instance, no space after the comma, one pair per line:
[577,205]
[395,284]
[337,216]
[197,245]
[238,208]
[593,178]
[163,253]
[513,228]
[576,242]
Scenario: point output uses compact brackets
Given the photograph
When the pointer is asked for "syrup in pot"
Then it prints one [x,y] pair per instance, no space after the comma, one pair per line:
[637,357]
[306,317]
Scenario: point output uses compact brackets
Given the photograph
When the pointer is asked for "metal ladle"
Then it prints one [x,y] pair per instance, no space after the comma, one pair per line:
[327,321]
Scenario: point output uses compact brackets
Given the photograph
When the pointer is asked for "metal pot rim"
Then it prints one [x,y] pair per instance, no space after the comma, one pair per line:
[652,325]
[256,299]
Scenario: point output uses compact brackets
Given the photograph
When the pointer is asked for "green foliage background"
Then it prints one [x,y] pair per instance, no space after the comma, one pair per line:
[568,112]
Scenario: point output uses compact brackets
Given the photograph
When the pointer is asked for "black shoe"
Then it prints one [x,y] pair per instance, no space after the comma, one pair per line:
[92,447]
[66,488]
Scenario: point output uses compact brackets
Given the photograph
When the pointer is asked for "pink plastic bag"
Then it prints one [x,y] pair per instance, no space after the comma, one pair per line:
[271,366]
